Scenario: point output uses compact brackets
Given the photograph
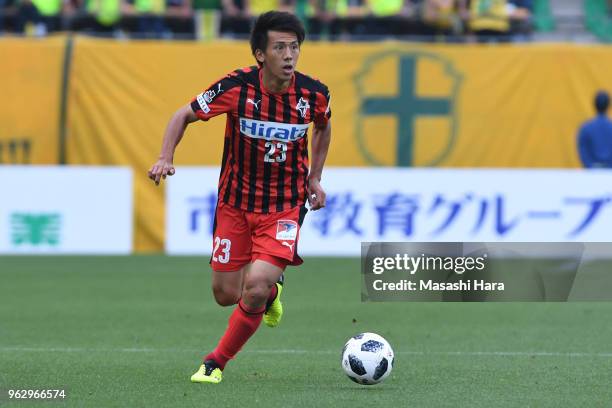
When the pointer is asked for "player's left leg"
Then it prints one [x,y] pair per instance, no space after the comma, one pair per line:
[259,279]
[274,307]
[276,242]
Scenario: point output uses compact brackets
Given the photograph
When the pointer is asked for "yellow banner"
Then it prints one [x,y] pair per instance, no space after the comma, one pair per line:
[393,104]
[30,88]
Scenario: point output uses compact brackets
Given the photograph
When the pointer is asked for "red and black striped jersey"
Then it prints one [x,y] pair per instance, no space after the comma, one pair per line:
[265,156]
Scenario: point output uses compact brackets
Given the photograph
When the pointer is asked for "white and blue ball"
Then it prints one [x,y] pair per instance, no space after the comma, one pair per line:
[367,358]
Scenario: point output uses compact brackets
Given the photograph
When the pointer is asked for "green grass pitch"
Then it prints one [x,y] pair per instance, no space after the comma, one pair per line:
[129,332]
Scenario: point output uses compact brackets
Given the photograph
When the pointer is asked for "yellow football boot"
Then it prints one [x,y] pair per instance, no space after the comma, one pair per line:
[209,372]
[274,312]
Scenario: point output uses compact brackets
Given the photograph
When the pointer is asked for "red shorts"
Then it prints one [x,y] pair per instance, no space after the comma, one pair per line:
[241,237]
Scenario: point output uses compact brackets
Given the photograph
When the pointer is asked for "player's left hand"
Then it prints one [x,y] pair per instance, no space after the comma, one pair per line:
[316,195]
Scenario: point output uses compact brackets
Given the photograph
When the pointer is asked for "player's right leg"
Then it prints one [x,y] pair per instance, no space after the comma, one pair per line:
[227,290]
[227,286]
[231,254]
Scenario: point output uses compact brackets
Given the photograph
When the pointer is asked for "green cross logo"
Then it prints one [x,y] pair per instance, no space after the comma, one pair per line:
[407,106]
[35,229]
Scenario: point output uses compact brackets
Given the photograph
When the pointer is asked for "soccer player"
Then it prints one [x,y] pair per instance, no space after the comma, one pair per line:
[264,181]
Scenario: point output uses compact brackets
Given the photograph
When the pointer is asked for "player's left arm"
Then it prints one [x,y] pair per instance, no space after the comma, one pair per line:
[321,137]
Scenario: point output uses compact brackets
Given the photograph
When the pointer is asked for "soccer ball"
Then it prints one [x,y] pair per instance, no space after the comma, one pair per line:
[367,358]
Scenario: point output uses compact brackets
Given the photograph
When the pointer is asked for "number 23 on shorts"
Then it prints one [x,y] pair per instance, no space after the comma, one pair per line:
[221,253]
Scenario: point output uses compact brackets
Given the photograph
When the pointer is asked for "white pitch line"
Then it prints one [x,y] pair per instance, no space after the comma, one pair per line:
[297,351]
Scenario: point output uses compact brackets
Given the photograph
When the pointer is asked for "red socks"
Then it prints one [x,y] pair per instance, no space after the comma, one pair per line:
[242,325]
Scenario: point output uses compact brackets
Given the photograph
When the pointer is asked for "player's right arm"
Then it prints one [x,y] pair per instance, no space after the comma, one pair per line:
[173,135]
[219,98]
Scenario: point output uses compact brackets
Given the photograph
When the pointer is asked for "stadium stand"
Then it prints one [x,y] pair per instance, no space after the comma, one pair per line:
[427,20]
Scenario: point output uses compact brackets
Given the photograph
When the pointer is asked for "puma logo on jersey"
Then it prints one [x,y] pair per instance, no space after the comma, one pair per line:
[289,245]
[252,102]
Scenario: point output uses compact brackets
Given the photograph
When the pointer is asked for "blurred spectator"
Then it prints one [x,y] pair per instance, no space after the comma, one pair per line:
[146,19]
[489,20]
[360,19]
[150,18]
[595,136]
[390,17]
[444,17]
[287,5]
[236,17]
[72,11]
[258,7]
[38,17]
[3,10]
[337,18]
[520,9]
[179,18]
[389,8]
[520,13]
[179,8]
[28,18]
[100,17]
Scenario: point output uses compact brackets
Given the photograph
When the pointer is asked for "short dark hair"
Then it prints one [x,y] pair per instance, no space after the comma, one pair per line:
[275,21]
[602,101]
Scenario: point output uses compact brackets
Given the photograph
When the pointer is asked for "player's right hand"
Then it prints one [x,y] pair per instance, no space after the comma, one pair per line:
[160,170]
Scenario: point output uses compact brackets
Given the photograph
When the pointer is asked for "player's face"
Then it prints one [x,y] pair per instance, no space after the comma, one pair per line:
[281,54]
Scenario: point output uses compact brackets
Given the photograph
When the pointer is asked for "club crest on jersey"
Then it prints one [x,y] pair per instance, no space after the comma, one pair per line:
[284,132]
[212,93]
[286,230]
[302,107]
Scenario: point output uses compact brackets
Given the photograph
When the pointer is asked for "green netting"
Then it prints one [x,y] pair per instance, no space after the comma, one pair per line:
[598,19]
[542,16]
